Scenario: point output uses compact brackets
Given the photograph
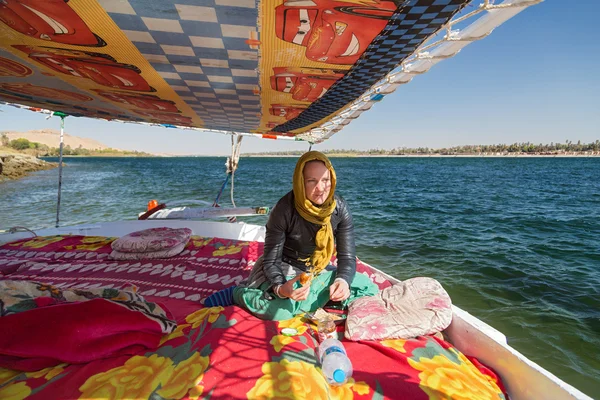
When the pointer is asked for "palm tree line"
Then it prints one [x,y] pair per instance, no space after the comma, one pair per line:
[525,148]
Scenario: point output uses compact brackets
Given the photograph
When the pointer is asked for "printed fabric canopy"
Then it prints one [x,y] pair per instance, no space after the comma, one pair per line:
[276,68]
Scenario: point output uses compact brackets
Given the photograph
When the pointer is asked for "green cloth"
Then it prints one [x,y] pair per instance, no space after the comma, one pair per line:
[277,309]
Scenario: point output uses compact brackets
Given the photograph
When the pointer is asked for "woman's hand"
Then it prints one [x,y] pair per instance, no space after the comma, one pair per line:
[287,290]
[339,290]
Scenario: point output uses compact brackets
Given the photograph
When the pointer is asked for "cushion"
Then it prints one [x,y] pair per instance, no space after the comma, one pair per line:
[121,255]
[153,239]
[415,307]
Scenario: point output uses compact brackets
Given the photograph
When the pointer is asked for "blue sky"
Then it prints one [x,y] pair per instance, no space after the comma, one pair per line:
[535,78]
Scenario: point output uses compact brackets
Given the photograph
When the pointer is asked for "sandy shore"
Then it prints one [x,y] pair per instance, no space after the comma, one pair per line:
[15,166]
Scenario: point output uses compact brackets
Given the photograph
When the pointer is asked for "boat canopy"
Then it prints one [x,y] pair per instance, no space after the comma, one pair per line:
[279,69]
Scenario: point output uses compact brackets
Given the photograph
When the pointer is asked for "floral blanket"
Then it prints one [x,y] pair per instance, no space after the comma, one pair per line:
[217,353]
[205,266]
[85,324]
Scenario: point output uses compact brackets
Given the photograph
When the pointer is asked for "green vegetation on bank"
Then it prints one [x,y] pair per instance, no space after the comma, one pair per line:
[42,150]
[567,148]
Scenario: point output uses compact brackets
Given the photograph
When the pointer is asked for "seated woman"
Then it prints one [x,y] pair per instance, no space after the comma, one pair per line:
[304,228]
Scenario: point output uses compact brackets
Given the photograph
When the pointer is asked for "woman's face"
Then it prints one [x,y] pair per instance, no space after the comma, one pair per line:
[317,182]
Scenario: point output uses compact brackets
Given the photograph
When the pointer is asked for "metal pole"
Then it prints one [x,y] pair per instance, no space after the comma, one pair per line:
[60,164]
[221,191]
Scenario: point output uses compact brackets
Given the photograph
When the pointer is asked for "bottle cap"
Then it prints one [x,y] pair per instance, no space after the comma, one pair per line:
[289,331]
[339,376]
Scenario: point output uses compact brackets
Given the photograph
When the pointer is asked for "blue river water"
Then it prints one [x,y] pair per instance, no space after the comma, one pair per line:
[515,241]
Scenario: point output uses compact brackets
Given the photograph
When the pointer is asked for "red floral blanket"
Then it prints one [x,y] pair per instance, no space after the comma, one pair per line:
[205,266]
[85,325]
[226,353]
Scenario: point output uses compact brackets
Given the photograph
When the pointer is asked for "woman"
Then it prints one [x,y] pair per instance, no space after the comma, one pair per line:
[303,228]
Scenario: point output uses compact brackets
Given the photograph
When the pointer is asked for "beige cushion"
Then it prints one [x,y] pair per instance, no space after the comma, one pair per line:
[415,307]
[120,255]
[152,240]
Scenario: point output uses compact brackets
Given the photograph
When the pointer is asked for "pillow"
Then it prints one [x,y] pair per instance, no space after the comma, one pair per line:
[415,307]
[152,240]
[168,253]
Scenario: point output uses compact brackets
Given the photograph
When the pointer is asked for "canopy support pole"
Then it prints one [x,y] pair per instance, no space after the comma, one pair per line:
[60,163]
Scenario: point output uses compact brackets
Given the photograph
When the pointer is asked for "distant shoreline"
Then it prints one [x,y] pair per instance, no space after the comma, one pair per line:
[119,155]
[434,155]
[341,156]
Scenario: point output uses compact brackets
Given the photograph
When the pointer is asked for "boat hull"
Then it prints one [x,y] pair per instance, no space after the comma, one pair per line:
[524,379]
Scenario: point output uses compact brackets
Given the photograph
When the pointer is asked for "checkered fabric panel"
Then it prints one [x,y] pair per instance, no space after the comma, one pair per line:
[410,26]
[203,50]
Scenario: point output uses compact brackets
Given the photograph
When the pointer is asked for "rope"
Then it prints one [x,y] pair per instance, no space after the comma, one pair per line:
[233,161]
[60,164]
[230,166]
[16,229]
[231,192]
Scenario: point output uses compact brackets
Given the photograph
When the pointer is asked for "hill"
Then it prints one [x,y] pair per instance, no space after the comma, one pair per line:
[51,138]
[19,151]
[46,143]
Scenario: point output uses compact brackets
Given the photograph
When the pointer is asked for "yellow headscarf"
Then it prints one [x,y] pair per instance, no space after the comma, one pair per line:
[320,215]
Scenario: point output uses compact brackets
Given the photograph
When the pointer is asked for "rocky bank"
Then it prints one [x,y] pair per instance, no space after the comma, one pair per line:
[15,166]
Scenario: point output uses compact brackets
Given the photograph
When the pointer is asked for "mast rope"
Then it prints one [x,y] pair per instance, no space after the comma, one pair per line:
[16,229]
[230,166]
[233,161]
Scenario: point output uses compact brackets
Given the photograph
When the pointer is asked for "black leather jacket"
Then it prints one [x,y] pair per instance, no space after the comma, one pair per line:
[290,237]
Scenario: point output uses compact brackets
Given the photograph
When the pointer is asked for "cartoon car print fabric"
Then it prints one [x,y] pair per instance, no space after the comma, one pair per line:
[51,20]
[408,28]
[33,91]
[197,65]
[286,111]
[141,101]
[13,68]
[101,68]
[304,84]
[336,32]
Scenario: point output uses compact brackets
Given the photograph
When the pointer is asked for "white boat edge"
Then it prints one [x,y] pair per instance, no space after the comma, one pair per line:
[524,379]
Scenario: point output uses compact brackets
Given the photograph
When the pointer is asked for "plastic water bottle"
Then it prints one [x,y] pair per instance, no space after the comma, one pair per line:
[335,364]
